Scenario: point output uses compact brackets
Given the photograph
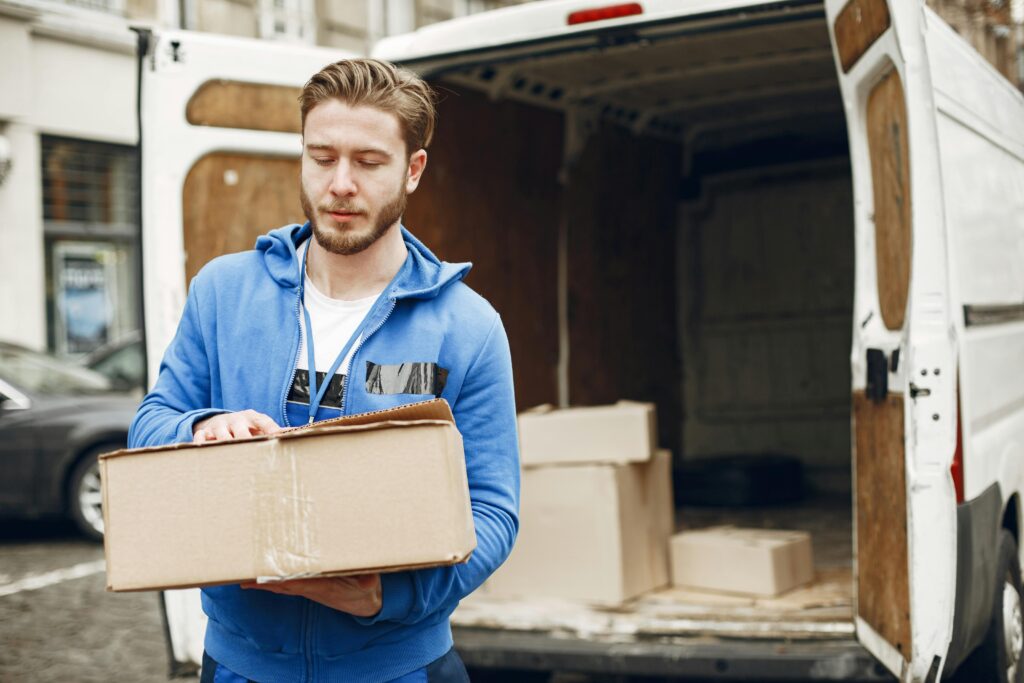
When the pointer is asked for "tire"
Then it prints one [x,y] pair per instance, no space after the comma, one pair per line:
[84,502]
[999,657]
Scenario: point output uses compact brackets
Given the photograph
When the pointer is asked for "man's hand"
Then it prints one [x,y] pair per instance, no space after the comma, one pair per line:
[228,426]
[359,595]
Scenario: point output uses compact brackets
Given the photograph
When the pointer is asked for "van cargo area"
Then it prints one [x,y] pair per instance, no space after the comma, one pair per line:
[672,204]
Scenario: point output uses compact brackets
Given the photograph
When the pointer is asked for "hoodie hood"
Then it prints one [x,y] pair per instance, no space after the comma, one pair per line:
[422,276]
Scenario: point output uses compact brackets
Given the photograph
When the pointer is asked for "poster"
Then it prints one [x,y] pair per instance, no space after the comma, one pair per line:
[84,296]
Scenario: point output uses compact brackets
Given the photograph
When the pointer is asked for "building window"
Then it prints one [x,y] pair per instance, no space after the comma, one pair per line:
[110,6]
[289,20]
[91,225]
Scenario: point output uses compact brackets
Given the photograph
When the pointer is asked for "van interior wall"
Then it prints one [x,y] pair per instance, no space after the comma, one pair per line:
[491,195]
[766,278]
[621,213]
[724,296]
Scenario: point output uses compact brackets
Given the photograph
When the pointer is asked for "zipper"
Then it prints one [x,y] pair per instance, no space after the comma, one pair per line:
[307,619]
[295,359]
[359,345]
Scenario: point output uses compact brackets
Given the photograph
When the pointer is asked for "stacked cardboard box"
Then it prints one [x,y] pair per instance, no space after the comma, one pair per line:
[596,510]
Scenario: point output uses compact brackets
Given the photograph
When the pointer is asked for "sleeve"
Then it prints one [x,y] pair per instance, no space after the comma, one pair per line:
[485,415]
[181,395]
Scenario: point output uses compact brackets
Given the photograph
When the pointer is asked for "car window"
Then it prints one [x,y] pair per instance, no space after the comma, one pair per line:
[123,365]
[44,374]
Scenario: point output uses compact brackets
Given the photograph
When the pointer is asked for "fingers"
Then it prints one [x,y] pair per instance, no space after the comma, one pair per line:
[367,582]
[263,423]
[231,426]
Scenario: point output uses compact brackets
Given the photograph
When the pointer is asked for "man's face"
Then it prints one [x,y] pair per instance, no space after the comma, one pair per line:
[355,174]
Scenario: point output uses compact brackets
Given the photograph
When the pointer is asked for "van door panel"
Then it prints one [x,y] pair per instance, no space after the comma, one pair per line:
[883,589]
[901,305]
[890,176]
[251,106]
[231,199]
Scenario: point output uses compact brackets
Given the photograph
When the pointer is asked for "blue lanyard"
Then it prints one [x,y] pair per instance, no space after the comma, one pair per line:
[315,395]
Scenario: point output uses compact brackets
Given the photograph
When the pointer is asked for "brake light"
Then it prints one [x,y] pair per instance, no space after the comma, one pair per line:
[584,16]
[956,470]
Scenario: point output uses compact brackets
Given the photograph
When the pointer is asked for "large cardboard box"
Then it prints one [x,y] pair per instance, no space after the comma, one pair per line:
[597,533]
[378,491]
[619,433]
[762,562]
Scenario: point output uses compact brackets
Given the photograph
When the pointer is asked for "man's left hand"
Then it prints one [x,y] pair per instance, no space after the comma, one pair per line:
[359,595]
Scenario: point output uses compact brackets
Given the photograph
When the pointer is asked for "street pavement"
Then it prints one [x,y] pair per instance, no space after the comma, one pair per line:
[58,622]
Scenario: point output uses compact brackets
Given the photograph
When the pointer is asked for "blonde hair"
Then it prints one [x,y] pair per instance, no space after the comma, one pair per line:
[379,84]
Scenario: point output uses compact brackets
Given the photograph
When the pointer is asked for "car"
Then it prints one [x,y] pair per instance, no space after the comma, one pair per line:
[56,417]
[122,361]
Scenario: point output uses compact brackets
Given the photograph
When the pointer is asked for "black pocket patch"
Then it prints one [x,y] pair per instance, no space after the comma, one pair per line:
[405,378]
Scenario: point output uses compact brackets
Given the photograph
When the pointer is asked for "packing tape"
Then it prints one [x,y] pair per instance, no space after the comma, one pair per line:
[285,544]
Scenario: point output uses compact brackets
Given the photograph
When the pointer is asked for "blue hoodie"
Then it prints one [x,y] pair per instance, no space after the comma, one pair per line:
[235,349]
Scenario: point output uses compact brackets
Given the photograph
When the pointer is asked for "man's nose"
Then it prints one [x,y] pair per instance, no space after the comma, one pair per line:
[342,182]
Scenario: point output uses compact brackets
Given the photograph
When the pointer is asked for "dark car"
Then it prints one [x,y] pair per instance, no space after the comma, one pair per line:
[123,362]
[56,417]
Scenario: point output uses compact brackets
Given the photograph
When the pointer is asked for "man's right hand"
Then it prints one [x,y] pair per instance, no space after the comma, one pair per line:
[228,426]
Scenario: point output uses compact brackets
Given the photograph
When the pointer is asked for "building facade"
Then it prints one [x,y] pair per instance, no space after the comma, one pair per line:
[68,160]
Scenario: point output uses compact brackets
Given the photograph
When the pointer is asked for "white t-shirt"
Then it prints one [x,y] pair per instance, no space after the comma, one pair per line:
[334,322]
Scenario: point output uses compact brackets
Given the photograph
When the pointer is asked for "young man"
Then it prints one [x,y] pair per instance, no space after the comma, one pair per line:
[345,314]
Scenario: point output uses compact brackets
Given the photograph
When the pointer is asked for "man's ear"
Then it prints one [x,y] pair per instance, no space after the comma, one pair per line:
[417,162]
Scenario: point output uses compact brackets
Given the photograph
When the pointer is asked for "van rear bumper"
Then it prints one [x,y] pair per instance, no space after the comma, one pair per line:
[704,658]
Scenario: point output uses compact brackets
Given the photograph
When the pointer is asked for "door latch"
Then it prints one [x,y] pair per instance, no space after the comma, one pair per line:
[916,391]
[878,376]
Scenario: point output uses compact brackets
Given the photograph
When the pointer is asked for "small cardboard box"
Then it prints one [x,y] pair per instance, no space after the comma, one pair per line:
[597,533]
[619,433]
[377,491]
[762,562]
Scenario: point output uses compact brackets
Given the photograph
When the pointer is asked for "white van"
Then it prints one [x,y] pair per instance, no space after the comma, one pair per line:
[795,225]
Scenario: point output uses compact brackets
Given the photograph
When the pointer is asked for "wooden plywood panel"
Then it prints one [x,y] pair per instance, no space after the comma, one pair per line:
[859,24]
[883,587]
[621,209]
[230,199]
[490,195]
[890,180]
[253,106]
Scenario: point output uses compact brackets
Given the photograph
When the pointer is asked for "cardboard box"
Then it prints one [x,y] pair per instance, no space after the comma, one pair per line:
[762,562]
[623,432]
[597,533]
[378,491]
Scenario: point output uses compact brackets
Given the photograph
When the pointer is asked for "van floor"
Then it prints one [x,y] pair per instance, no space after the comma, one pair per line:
[820,610]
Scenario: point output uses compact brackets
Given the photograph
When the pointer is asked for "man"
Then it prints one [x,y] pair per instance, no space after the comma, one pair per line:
[345,314]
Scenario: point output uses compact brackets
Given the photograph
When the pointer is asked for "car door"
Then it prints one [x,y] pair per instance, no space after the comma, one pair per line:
[903,359]
[18,445]
[220,141]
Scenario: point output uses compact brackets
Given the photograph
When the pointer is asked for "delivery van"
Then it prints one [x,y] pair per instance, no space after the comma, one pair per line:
[795,226]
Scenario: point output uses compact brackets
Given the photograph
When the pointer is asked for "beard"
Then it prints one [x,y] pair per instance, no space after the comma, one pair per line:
[347,240]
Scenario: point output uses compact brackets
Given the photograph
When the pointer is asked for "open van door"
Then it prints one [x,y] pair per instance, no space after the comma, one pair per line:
[903,358]
[220,145]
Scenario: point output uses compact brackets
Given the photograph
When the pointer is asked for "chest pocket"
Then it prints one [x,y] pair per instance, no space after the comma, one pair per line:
[405,378]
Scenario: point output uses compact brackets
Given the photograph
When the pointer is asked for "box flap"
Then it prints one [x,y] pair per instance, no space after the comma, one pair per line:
[434,410]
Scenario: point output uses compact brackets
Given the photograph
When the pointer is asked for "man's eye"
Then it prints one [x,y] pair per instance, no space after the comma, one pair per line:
[368,163]
[323,161]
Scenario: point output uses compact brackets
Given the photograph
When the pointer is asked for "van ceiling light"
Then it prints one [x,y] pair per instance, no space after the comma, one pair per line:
[626,9]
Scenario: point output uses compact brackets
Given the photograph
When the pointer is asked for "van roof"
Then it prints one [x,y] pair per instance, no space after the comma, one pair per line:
[549,19]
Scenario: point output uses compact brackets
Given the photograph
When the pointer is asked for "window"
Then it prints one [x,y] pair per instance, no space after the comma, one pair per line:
[91,224]
[290,20]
